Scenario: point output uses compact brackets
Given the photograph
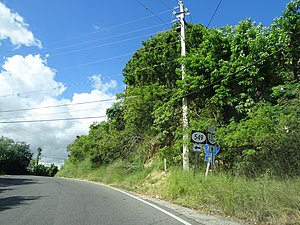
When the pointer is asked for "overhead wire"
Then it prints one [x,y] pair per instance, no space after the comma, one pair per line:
[102,45]
[51,157]
[216,10]
[56,106]
[51,114]
[81,118]
[166,5]
[105,59]
[52,120]
[109,28]
[103,38]
[86,82]
[139,2]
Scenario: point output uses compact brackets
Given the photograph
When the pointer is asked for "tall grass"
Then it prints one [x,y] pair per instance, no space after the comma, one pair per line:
[259,201]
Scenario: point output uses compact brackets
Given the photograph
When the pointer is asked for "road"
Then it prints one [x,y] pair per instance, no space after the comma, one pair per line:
[31,200]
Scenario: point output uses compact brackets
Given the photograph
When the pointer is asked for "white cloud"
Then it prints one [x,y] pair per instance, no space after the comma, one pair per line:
[100,85]
[13,27]
[19,77]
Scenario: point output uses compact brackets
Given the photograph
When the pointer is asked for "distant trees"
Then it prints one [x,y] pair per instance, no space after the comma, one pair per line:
[35,168]
[42,170]
[14,156]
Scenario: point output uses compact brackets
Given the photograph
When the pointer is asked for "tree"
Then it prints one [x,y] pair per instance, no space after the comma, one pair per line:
[15,156]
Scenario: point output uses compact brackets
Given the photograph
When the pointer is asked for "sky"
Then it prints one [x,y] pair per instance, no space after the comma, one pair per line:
[61,61]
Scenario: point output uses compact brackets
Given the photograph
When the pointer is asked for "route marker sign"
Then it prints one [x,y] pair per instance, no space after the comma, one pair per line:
[211,138]
[198,137]
[211,135]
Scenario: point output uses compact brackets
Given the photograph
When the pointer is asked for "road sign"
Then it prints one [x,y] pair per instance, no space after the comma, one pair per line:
[198,147]
[210,159]
[211,149]
[211,138]
[198,137]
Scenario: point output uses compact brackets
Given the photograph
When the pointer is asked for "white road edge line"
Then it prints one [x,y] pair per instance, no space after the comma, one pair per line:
[143,201]
[154,206]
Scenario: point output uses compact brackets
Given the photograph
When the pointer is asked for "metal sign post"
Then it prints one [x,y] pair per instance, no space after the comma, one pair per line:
[196,148]
[195,162]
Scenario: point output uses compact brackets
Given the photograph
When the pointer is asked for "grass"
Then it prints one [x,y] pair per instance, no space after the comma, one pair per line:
[258,201]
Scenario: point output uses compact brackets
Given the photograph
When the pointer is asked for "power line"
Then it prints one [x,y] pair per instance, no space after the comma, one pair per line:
[52,120]
[102,45]
[216,10]
[98,61]
[51,157]
[107,59]
[56,106]
[110,28]
[93,62]
[150,11]
[166,5]
[104,38]
[30,92]
[52,89]
[51,114]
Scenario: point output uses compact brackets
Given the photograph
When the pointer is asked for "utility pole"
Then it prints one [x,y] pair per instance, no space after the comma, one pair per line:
[185,150]
[39,152]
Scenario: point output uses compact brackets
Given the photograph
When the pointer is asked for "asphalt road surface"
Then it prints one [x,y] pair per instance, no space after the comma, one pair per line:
[31,200]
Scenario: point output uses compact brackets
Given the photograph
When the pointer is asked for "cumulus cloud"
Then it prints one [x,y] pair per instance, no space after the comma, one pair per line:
[13,27]
[98,83]
[27,83]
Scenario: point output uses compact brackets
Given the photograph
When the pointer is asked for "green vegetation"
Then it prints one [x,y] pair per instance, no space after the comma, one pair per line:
[42,170]
[242,79]
[16,158]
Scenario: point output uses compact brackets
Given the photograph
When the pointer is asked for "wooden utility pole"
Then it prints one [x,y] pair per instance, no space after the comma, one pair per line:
[185,150]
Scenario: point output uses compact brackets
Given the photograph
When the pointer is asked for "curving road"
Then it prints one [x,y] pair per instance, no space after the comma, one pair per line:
[30,200]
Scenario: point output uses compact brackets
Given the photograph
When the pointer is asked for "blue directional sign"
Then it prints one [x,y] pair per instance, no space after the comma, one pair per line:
[216,149]
[209,158]
[211,149]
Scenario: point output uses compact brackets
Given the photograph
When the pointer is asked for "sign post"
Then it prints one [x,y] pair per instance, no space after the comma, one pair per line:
[207,167]
[197,138]
[195,162]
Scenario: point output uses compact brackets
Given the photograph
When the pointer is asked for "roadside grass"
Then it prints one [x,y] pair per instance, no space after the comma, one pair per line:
[263,200]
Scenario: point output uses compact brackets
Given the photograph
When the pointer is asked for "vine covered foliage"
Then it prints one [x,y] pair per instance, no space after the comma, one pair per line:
[242,79]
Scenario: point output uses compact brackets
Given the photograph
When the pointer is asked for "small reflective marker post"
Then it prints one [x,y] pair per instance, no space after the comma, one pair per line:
[207,167]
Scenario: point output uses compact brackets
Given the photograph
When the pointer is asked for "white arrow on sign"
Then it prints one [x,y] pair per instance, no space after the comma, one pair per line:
[198,147]
[198,137]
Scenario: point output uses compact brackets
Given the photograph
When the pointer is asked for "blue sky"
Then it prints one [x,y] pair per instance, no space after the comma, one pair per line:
[65,52]
[81,26]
